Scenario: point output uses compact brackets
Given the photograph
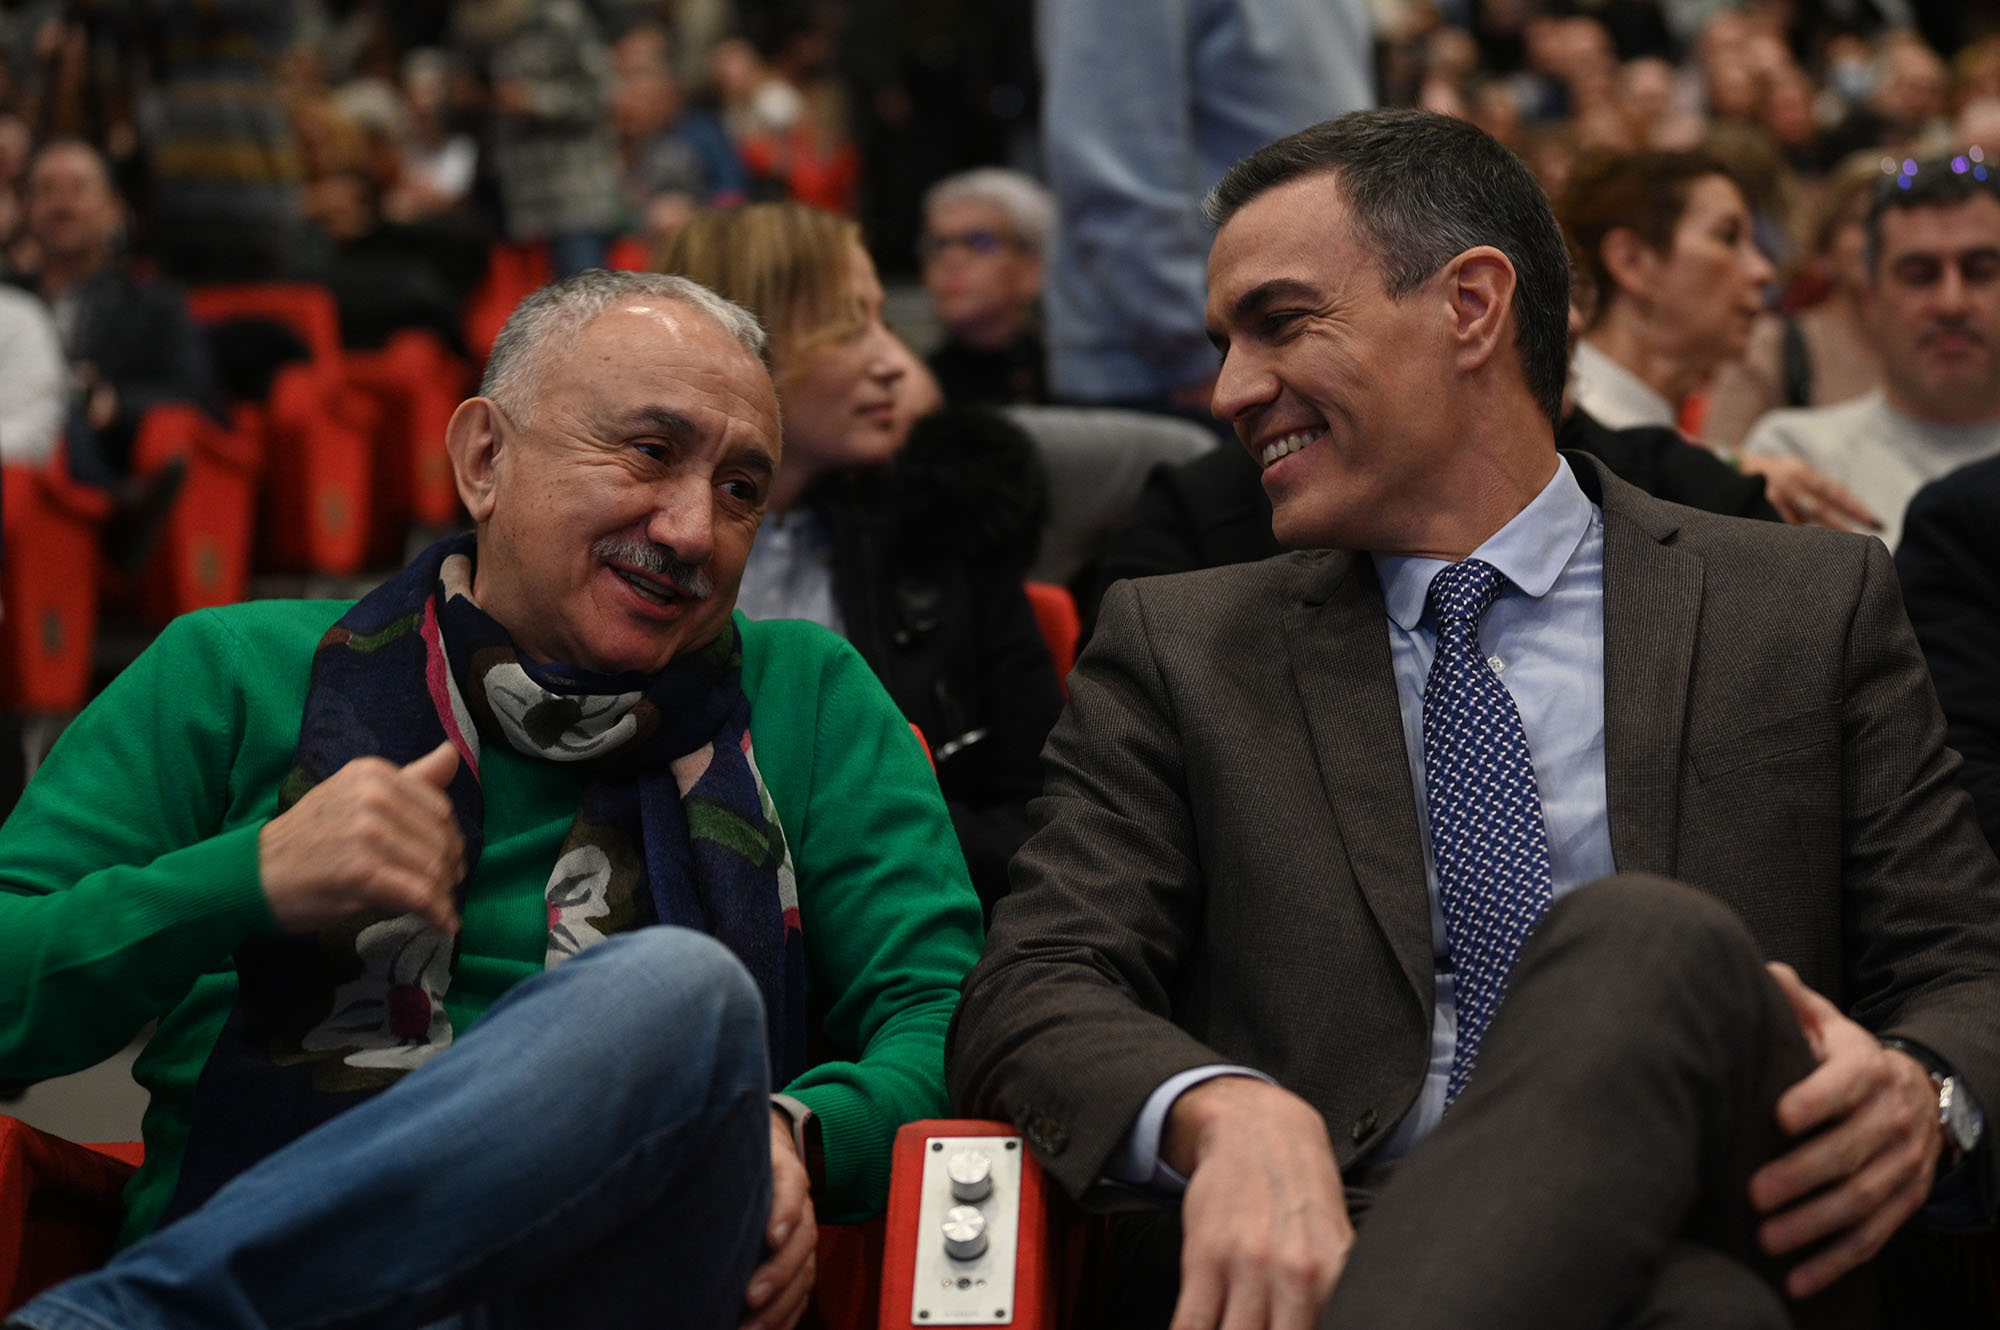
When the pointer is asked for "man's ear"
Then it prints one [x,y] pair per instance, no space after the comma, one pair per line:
[473,441]
[1480,284]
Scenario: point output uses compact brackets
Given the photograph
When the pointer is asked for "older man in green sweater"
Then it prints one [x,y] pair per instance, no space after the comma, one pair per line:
[482,915]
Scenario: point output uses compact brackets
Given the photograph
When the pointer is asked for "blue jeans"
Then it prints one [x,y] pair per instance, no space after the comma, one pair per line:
[594,1152]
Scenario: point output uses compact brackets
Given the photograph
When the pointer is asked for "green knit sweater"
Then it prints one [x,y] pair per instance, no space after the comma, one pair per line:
[128,877]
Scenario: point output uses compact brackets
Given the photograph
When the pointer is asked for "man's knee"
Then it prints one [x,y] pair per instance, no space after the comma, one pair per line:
[1699,1288]
[660,985]
[1674,927]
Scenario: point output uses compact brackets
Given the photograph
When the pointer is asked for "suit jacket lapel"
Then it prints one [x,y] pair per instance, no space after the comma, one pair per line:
[1340,664]
[1652,609]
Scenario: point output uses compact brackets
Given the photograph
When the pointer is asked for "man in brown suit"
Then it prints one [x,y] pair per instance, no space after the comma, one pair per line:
[1234,961]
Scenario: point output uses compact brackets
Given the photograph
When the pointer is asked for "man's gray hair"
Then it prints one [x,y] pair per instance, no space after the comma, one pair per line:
[1023,200]
[556,314]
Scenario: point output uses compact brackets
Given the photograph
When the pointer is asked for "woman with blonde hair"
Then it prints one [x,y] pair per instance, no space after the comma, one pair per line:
[905,529]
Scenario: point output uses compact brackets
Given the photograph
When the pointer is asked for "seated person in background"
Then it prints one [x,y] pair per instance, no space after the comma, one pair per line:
[1933,262]
[1349,886]
[478,909]
[1949,564]
[674,158]
[984,233]
[34,382]
[131,341]
[914,553]
[1666,244]
[1823,353]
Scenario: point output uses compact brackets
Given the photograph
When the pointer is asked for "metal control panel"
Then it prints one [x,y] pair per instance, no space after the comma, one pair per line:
[968,1228]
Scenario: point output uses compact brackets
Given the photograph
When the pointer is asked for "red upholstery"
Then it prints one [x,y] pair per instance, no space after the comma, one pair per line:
[316,431]
[513,271]
[629,254]
[203,557]
[416,383]
[1035,1286]
[1056,616]
[59,1208]
[60,1205]
[48,583]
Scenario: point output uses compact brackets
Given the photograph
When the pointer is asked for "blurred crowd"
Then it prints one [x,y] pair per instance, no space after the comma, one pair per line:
[384,150]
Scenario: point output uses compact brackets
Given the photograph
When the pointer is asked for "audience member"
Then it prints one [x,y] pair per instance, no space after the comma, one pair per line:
[984,234]
[1933,302]
[909,542]
[130,340]
[1224,911]
[1823,354]
[222,156]
[550,97]
[676,157]
[1949,564]
[1144,106]
[34,383]
[1665,241]
[480,908]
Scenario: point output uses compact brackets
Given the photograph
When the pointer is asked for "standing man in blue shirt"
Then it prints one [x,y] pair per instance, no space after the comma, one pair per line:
[1145,103]
[1309,821]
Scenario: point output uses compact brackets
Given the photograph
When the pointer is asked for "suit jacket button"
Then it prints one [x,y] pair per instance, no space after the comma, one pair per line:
[1363,1125]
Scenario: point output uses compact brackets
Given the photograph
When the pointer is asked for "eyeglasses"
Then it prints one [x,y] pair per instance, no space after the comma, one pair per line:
[983,243]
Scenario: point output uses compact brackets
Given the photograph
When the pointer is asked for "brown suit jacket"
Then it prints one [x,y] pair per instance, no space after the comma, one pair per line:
[1227,865]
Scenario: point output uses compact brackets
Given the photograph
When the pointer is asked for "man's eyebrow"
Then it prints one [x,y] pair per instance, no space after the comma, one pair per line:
[655,420]
[755,459]
[1277,291]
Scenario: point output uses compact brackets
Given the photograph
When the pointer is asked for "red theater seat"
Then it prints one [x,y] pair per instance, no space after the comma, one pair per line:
[316,431]
[49,586]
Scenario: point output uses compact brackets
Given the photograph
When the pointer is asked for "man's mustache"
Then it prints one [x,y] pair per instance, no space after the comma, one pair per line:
[688,579]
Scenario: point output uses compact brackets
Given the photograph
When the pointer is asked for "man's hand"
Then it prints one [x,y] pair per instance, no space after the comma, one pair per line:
[1264,1223]
[780,1286]
[371,836]
[1870,1162]
[1806,497]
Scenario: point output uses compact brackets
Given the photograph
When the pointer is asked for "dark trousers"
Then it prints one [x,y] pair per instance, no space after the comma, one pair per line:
[1595,1172]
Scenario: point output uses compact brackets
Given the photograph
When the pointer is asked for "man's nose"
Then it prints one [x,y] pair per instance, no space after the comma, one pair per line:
[683,520]
[1951,292]
[1241,386]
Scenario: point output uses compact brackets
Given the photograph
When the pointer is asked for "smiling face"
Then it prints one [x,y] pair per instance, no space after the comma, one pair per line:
[846,393]
[1707,290]
[1337,390]
[651,442]
[1936,305]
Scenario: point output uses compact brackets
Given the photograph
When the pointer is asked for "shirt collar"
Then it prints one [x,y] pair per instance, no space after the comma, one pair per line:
[1532,549]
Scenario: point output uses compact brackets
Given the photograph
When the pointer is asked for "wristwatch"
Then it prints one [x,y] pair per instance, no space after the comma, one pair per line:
[1959,1118]
[806,1138]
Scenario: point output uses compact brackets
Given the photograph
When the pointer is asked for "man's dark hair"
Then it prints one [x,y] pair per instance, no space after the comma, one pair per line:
[1424,188]
[1934,182]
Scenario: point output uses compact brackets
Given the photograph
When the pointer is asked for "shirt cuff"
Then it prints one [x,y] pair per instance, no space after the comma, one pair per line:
[1137,1162]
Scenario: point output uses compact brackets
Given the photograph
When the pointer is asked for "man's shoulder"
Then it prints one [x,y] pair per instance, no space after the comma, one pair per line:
[1238,595]
[257,625]
[1764,556]
[1796,429]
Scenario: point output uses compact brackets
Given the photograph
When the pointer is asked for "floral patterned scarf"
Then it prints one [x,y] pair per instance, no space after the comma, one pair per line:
[675,826]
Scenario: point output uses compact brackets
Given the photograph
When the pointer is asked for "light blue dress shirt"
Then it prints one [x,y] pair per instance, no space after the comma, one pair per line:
[1544,637]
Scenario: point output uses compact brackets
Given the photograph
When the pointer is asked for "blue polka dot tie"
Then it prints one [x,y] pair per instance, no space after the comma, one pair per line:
[1487,833]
